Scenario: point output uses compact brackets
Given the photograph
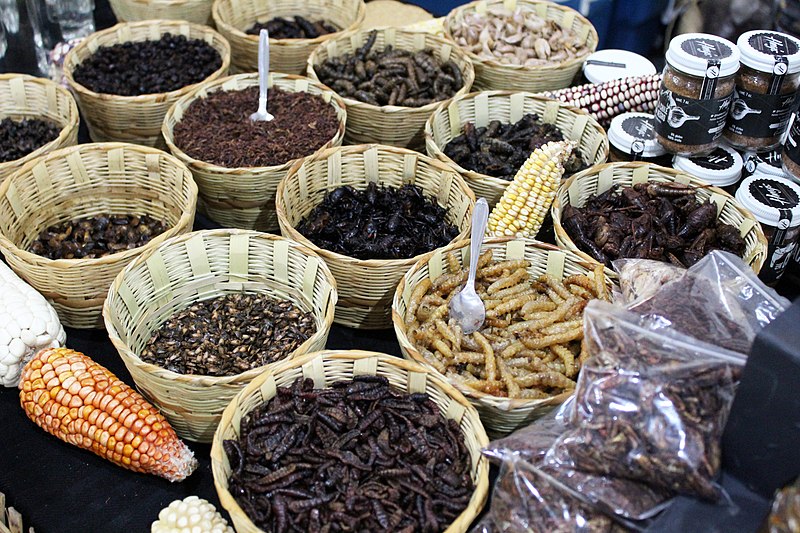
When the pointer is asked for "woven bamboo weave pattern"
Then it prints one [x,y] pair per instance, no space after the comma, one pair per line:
[245,197]
[195,11]
[234,17]
[447,122]
[493,75]
[328,367]
[23,96]
[366,286]
[135,119]
[393,125]
[84,181]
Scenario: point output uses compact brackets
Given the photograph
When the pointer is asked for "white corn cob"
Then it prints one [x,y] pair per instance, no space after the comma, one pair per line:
[190,515]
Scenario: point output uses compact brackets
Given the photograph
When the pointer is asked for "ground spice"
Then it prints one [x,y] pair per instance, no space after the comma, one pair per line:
[217,129]
[18,138]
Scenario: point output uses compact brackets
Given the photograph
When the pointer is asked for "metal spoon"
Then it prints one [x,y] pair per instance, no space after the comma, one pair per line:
[263,74]
[466,307]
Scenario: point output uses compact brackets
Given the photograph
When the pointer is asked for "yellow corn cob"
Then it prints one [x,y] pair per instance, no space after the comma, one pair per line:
[527,198]
[82,403]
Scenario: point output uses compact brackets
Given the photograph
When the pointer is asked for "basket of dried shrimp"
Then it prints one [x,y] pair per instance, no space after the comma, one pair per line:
[526,357]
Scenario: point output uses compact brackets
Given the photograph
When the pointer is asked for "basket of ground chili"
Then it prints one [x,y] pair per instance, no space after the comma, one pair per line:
[36,116]
[372,211]
[487,136]
[238,162]
[125,78]
[203,314]
[354,440]
[72,219]
[644,211]
[391,81]
[295,29]
[196,11]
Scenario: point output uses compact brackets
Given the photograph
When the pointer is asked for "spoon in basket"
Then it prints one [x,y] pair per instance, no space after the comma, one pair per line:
[466,307]
[263,74]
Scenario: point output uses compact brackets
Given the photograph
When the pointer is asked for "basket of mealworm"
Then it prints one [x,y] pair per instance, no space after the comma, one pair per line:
[644,211]
[238,162]
[371,212]
[72,219]
[205,313]
[391,81]
[196,11]
[295,29]
[521,45]
[352,440]
[487,136]
[525,358]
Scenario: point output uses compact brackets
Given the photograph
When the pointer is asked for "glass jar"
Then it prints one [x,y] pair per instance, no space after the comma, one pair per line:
[790,155]
[768,163]
[632,138]
[696,92]
[721,168]
[765,89]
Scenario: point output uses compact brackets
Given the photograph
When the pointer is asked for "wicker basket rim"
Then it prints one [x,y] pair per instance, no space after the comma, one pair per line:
[592,38]
[30,257]
[70,62]
[184,101]
[345,151]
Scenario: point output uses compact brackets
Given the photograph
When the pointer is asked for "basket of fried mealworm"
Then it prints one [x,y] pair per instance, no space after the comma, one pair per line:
[525,358]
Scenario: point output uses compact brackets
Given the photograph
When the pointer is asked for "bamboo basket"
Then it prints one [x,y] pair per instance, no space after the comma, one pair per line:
[492,75]
[500,416]
[328,367]
[366,286]
[392,125]
[83,181]
[234,17]
[135,119]
[447,122]
[244,197]
[200,266]
[577,189]
[194,11]
[23,96]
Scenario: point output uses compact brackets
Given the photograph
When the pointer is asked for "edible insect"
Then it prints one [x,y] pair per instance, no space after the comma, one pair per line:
[18,138]
[296,27]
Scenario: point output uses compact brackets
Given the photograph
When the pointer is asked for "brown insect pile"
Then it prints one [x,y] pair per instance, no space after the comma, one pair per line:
[296,27]
[531,339]
[228,335]
[96,236]
[391,77]
[357,456]
[518,37]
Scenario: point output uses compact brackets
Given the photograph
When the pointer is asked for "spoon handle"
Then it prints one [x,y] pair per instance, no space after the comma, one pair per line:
[263,69]
[480,215]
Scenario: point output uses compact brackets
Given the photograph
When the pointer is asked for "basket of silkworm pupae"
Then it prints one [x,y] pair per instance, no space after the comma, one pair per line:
[371,212]
[36,116]
[352,440]
[525,358]
[295,29]
[238,162]
[487,136]
[676,217]
[391,81]
[521,45]
[72,219]
[204,314]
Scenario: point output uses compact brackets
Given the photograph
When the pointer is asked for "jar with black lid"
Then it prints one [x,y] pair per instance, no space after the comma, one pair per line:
[766,86]
[632,138]
[696,92]
[721,168]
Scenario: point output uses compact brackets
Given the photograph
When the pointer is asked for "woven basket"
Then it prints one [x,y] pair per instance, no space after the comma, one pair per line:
[244,197]
[500,416]
[448,120]
[366,286]
[83,181]
[578,188]
[493,75]
[392,125]
[22,97]
[200,266]
[328,367]
[195,11]
[234,17]
[135,119]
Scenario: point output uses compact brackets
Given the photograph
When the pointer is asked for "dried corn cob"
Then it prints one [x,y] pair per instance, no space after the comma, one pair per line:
[82,403]
[604,101]
[527,198]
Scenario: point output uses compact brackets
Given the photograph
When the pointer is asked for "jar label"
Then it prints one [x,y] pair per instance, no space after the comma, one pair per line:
[639,128]
[706,48]
[791,148]
[759,115]
[771,158]
[773,44]
[719,159]
[690,121]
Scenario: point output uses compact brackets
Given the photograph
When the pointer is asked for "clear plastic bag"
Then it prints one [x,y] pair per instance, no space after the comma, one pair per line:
[641,278]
